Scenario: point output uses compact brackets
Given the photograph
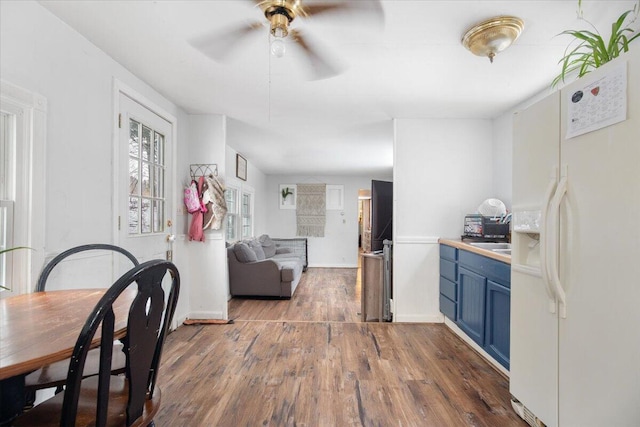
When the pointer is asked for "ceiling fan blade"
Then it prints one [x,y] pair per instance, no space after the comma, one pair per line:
[373,7]
[317,9]
[321,68]
[221,44]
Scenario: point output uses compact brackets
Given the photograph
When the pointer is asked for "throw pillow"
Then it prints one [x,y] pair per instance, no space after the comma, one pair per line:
[257,248]
[268,245]
[244,253]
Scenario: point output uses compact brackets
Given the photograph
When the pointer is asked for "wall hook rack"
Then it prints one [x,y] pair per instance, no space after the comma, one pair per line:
[203,169]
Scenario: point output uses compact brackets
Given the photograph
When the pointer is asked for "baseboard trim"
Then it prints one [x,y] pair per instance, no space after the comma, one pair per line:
[418,318]
[332,266]
[416,240]
[205,315]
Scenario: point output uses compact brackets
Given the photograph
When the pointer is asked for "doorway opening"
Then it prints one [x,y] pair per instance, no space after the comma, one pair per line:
[364,220]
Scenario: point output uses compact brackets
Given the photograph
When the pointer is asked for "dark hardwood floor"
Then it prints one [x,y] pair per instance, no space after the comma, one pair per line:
[310,361]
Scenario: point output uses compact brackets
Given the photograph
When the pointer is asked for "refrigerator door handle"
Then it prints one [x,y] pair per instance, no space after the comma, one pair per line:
[554,273]
[544,238]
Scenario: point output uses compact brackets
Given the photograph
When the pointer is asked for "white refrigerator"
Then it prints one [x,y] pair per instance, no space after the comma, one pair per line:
[575,275]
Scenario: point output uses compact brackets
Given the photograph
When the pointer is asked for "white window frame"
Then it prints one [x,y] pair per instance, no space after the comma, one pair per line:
[157,187]
[246,192]
[28,113]
[241,191]
[335,197]
[232,212]
[7,195]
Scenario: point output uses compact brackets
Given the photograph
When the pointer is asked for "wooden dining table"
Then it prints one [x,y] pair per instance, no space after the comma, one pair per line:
[41,328]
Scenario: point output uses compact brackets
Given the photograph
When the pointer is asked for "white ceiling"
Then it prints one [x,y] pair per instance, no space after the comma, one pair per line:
[411,65]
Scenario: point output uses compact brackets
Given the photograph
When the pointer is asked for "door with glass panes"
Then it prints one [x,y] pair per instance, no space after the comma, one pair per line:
[144,184]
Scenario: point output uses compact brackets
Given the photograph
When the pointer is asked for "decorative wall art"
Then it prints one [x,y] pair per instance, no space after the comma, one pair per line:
[288,195]
[311,210]
[241,167]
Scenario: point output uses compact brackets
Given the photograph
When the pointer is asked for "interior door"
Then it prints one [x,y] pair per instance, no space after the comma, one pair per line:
[144,186]
[381,213]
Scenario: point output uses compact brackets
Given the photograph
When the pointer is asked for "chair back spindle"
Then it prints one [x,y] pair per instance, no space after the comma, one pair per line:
[46,271]
[148,320]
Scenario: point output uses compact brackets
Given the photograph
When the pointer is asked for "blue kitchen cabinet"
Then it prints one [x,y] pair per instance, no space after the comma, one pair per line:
[471,304]
[475,293]
[448,281]
[498,318]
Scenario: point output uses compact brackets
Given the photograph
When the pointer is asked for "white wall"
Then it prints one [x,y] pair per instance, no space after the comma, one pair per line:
[502,149]
[442,171]
[502,152]
[180,254]
[42,54]
[207,261]
[256,181]
[339,246]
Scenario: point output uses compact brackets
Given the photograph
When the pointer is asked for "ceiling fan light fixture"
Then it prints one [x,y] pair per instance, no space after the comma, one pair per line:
[278,48]
[492,36]
[279,25]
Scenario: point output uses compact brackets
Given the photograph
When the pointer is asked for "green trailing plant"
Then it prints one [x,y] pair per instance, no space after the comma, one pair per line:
[3,251]
[285,192]
[593,50]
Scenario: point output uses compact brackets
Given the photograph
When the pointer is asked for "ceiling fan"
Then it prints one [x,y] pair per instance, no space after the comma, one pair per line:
[280,14]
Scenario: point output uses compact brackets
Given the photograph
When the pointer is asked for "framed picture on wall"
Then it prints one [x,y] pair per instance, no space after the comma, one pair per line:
[241,167]
[288,196]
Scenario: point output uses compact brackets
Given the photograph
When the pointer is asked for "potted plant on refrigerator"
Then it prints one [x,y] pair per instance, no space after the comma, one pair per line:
[593,50]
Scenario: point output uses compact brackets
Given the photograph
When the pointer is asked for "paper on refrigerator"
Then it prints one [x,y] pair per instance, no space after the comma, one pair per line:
[598,104]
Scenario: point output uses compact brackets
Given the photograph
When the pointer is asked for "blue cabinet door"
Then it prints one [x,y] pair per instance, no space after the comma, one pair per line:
[497,338]
[471,304]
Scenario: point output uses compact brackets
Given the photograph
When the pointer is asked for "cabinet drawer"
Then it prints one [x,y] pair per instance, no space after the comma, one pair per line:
[448,289]
[448,307]
[449,252]
[448,269]
[494,270]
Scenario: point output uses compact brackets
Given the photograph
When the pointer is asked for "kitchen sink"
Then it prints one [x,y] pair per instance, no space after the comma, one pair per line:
[502,251]
[492,246]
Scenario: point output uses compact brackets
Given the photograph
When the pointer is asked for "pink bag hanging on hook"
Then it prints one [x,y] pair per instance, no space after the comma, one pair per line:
[192,198]
[195,230]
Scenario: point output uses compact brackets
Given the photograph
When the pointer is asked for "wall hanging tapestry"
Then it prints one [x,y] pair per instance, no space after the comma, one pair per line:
[311,209]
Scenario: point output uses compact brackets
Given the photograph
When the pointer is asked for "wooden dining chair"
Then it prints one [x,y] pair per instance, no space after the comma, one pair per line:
[131,399]
[55,375]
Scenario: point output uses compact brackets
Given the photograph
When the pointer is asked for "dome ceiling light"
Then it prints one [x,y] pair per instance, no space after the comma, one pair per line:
[492,36]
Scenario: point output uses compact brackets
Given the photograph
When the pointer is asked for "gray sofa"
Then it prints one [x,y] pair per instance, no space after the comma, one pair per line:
[257,268]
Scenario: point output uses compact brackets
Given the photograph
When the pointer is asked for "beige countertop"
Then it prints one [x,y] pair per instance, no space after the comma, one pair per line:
[457,243]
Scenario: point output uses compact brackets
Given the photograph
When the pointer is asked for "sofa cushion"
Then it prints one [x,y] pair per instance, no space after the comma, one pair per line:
[257,248]
[244,253]
[290,269]
[285,257]
[268,245]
